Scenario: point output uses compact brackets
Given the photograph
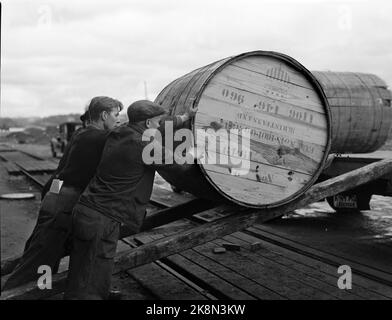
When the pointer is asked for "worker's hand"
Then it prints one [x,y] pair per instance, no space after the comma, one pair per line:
[189,114]
[192,111]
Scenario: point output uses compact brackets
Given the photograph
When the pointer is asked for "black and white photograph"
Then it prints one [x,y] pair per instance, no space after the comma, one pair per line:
[196,158]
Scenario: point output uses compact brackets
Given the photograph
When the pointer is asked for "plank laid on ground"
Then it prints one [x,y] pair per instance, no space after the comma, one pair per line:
[234,279]
[366,288]
[347,236]
[162,284]
[13,156]
[285,287]
[363,288]
[165,282]
[37,165]
[6,149]
[213,283]
[331,258]
[219,286]
[11,167]
[290,270]
[305,284]
[242,219]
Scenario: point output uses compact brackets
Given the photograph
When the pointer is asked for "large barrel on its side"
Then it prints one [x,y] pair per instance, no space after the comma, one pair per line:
[287,116]
[360,108]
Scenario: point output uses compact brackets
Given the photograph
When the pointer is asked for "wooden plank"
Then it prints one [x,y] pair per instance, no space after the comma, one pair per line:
[250,120]
[193,85]
[363,287]
[310,285]
[11,167]
[311,276]
[171,214]
[36,165]
[196,86]
[346,86]
[248,191]
[264,106]
[377,110]
[285,287]
[349,102]
[275,69]
[168,198]
[361,269]
[244,284]
[163,284]
[242,219]
[383,108]
[213,283]
[259,138]
[282,179]
[185,285]
[130,288]
[348,233]
[260,84]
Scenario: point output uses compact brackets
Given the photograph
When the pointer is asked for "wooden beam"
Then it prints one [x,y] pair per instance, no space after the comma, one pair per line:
[241,218]
[171,214]
[157,219]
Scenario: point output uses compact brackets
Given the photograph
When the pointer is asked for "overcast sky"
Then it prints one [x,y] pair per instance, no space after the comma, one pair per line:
[56,55]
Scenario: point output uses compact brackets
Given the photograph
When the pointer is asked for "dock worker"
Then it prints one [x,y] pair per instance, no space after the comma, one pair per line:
[85,119]
[118,193]
[47,208]
[77,167]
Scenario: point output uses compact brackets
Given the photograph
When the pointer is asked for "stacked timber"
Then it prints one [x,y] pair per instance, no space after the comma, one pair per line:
[360,109]
[274,112]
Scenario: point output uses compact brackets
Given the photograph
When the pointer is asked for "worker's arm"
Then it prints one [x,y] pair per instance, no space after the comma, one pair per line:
[178,121]
[175,158]
[61,165]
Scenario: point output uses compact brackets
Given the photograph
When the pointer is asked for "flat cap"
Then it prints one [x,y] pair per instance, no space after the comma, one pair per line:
[143,110]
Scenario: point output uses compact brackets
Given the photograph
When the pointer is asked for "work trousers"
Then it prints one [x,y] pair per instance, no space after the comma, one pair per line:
[48,243]
[94,246]
[46,214]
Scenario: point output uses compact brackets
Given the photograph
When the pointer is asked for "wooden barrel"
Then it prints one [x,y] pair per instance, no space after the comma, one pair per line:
[360,109]
[288,120]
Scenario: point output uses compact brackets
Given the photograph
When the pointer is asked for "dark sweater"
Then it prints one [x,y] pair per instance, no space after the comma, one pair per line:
[61,164]
[83,154]
[122,186]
